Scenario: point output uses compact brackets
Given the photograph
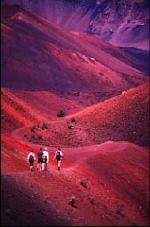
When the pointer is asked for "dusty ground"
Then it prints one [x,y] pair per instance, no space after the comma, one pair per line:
[109,181]
[116,192]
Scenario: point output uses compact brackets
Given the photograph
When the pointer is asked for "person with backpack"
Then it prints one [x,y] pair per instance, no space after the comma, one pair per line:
[40,159]
[58,157]
[31,159]
[45,159]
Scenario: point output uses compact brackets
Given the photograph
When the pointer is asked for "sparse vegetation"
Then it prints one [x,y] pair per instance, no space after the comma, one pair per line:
[36,137]
[84,182]
[40,137]
[33,136]
[73,120]
[92,200]
[119,210]
[71,123]
[72,201]
[44,126]
[33,128]
[61,113]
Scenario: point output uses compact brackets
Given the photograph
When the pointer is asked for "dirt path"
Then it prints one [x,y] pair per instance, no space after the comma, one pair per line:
[72,156]
[119,199]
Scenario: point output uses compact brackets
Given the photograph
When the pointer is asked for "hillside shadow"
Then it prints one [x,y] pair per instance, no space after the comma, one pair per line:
[21,207]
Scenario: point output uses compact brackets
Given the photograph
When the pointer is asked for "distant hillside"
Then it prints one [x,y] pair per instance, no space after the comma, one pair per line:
[38,55]
[124,117]
[24,108]
[123,23]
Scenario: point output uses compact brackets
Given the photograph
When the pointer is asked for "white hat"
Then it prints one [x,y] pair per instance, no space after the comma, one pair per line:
[45,148]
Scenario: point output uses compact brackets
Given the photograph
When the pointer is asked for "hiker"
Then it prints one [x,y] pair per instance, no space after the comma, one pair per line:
[40,159]
[45,159]
[58,157]
[31,159]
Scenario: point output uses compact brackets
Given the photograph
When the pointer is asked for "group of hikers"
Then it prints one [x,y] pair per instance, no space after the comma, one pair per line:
[43,159]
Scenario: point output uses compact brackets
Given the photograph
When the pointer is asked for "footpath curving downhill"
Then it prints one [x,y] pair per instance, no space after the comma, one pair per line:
[109,183]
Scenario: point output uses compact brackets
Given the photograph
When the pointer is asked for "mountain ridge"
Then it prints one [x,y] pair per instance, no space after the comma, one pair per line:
[118,22]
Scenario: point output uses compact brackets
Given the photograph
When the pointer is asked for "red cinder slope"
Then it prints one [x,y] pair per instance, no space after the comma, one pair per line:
[38,55]
[124,117]
[49,103]
[45,66]
[16,112]
[116,52]
[14,155]
[116,194]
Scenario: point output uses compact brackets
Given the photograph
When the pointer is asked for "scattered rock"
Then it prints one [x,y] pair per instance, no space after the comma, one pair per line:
[72,202]
[92,200]
[119,210]
[84,182]
[93,60]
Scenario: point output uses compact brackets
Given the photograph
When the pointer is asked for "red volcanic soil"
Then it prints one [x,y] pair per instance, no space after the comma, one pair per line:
[123,117]
[109,181]
[16,112]
[101,45]
[39,55]
[14,154]
[116,192]
[48,103]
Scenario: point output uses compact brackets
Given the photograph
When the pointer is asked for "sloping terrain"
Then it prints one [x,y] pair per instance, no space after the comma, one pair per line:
[14,154]
[109,181]
[116,175]
[123,117]
[142,56]
[45,69]
[134,57]
[123,23]
[17,113]
[116,192]
[38,55]
[30,107]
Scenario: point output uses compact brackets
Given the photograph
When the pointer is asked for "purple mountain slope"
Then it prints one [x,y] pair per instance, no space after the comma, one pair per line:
[121,22]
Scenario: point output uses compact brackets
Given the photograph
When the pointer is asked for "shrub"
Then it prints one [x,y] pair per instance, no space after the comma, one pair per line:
[44,126]
[72,201]
[61,113]
[40,137]
[33,137]
[119,210]
[33,128]
[84,182]
[73,120]
[92,200]
[69,124]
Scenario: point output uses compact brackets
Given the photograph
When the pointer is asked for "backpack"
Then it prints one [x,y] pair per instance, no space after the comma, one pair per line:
[31,158]
[58,155]
[40,155]
[44,158]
